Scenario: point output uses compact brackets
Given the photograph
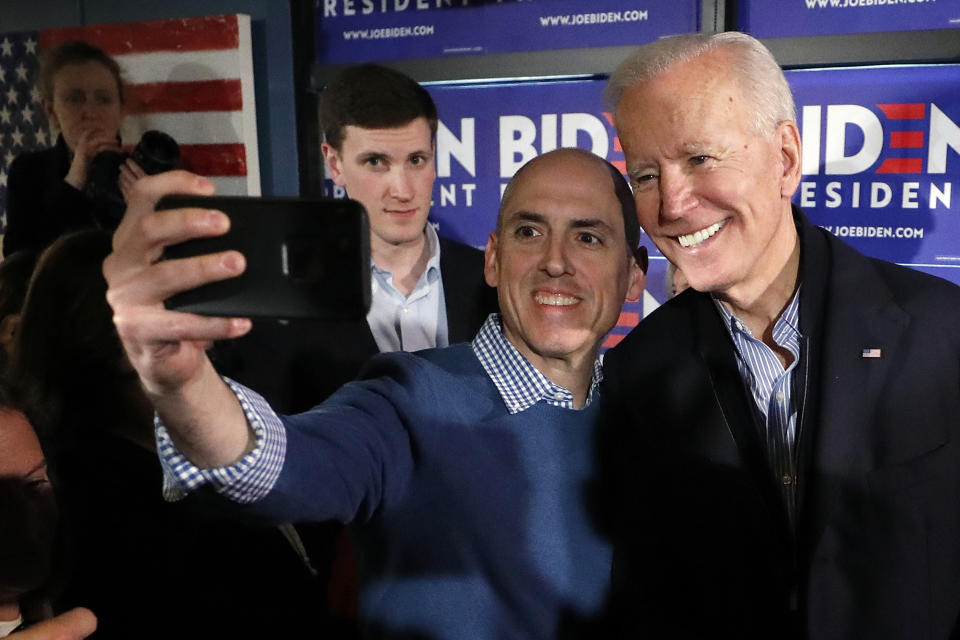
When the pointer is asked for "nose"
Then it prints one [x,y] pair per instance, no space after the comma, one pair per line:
[555,260]
[401,184]
[676,195]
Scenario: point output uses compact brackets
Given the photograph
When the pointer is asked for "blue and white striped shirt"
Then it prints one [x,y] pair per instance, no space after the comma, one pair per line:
[771,386]
[519,383]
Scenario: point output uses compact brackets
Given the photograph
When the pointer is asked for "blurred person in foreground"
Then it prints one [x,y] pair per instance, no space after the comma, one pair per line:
[126,548]
[782,452]
[461,467]
[28,522]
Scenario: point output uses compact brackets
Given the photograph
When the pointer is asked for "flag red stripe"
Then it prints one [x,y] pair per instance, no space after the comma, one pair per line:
[901,165]
[190,34]
[613,340]
[628,319]
[171,97]
[214,159]
[904,111]
[906,139]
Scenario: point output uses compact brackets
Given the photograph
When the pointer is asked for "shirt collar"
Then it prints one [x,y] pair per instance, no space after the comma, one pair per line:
[519,383]
[786,330]
[432,270]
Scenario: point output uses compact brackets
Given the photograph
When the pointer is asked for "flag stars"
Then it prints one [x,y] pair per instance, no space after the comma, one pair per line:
[5,115]
[31,45]
[9,157]
[17,136]
[41,136]
[3,74]
[12,96]
[6,47]
[21,72]
[27,114]
[35,95]
[3,183]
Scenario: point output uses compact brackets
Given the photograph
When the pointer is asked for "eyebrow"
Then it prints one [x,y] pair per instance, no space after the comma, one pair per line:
[383,155]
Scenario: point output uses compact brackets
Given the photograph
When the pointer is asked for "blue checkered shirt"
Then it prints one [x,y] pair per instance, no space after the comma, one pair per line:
[771,387]
[519,383]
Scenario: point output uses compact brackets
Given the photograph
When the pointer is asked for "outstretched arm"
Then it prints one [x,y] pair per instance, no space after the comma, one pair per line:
[167,348]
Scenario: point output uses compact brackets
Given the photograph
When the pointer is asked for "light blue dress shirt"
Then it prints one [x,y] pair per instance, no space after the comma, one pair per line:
[409,323]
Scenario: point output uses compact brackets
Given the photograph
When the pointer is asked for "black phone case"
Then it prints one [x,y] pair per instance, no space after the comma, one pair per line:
[306,258]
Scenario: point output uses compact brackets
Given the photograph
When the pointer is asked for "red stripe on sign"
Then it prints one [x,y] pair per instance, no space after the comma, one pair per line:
[172,97]
[613,340]
[609,117]
[913,111]
[214,159]
[901,165]
[628,319]
[616,144]
[906,139]
[621,165]
[189,34]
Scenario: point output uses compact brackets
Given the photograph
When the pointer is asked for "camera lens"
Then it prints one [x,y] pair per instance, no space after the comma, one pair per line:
[156,152]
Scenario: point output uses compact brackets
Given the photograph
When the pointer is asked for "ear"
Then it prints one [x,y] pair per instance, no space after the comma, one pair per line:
[334,164]
[789,138]
[51,116]
[8,329]
[636,283]
[491,271]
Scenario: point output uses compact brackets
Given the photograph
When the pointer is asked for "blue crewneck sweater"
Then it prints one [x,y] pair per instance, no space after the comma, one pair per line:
[470,522]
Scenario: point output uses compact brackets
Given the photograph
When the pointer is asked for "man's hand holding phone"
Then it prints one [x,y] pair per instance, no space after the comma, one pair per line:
[167,348]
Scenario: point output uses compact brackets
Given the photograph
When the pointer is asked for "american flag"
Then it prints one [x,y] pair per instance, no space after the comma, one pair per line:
[191,78]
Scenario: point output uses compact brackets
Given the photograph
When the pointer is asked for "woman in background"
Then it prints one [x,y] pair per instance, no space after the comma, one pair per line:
[82,94]
[127,549]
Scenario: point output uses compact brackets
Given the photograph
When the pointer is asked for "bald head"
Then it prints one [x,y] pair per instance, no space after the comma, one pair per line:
[543,164]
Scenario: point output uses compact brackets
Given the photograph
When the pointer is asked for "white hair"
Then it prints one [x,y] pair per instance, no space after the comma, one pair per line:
[760,77]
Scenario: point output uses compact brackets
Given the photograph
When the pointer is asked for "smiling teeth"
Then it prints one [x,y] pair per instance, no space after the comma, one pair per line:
[556,299]
[693,239]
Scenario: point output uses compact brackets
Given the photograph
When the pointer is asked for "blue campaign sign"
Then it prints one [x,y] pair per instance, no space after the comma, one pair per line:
[784,18]
[369,30]
[881,160]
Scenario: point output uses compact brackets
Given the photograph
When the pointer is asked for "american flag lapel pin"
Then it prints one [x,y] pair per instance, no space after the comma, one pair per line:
[873,352]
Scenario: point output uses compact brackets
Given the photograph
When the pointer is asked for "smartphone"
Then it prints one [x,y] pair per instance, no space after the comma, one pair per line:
[306,258]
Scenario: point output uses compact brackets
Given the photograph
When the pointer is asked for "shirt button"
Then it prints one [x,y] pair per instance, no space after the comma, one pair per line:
[780,396]
[787,480]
